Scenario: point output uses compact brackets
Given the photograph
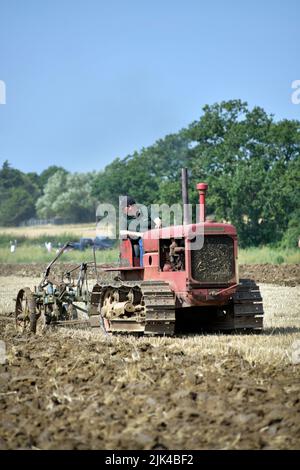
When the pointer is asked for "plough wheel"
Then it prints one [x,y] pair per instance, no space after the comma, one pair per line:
[26,314]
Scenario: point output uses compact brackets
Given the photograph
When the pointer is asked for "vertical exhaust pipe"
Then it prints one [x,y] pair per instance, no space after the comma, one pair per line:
[202,187]
[185,195]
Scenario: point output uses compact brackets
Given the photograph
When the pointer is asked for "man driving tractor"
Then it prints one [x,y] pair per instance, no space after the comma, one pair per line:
[138,218]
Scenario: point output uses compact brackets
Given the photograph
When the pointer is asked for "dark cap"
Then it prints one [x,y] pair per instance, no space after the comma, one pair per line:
[126,201]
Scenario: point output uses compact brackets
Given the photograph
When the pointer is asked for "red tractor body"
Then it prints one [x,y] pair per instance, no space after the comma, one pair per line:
[193,284]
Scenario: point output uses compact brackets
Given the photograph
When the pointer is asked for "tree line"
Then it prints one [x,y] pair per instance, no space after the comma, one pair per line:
[250,161]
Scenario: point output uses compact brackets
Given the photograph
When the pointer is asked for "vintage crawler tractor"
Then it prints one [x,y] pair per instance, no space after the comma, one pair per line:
[173,288]
[177,288]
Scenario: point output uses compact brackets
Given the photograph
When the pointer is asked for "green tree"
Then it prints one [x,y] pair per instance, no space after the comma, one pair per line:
[251,162]
[147,175]
[247,158]
[46,174]
[69,196]
[18,193]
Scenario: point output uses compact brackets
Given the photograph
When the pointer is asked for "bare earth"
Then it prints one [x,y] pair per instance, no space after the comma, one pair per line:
[78,389]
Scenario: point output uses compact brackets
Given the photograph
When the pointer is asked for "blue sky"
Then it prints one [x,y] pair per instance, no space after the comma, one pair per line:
[91,80]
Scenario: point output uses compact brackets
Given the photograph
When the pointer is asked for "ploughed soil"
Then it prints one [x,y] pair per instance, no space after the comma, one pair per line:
[64,390]
[76,389]
[281,274]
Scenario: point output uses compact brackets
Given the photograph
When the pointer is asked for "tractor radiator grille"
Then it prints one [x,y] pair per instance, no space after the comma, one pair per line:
[214,263]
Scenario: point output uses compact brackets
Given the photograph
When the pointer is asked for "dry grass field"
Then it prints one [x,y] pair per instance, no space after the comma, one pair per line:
[36,231]
[31,246]
[80,389]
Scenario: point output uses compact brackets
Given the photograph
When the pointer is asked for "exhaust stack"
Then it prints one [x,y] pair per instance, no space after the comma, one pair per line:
[185,195]
[202,188]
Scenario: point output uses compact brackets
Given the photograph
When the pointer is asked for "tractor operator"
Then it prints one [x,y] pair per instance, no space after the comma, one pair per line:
[142,221]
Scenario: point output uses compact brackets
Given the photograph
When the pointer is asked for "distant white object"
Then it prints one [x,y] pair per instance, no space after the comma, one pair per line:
[12,248]
[48,246]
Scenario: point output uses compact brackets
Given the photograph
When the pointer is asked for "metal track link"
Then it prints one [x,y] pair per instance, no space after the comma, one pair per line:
[159,302]
[247,306]
[116,325]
